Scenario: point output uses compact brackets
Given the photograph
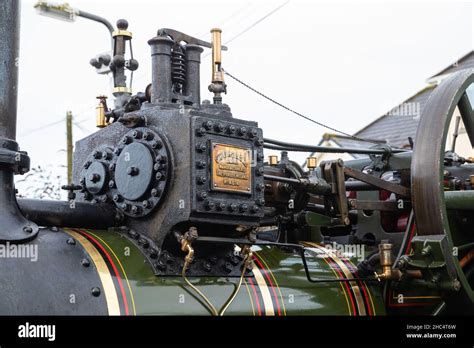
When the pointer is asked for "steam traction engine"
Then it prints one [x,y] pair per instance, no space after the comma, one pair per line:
[174,209]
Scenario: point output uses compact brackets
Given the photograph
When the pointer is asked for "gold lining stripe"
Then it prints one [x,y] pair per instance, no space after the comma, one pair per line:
[104,273]
[262,285]
[250,296]
[274,279]
[416,297]
[348,274]
[340,283]
[367,288]
[123,270]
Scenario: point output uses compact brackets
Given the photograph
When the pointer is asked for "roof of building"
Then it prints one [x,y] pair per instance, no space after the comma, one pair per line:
[401,122]
[345,141]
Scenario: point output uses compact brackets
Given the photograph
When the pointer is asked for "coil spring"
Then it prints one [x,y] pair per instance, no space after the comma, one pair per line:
[178,67]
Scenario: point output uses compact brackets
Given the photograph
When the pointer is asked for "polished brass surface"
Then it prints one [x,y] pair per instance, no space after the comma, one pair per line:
[273,160]
[231,168]
[217,74]
[100,112]
[312,162]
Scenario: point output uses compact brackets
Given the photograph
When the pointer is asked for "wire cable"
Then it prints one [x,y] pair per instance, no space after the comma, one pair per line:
[291,110]
[251,26]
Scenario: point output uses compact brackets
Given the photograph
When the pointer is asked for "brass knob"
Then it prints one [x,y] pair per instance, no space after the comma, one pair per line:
[311,162]
[273,160]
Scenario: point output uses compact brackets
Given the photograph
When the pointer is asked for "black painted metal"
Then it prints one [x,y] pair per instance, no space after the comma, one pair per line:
[282,146]
[54,282]
[15,228]
[68,214]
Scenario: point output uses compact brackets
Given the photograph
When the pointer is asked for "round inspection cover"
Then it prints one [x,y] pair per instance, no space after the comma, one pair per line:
[134,171]
[96,177]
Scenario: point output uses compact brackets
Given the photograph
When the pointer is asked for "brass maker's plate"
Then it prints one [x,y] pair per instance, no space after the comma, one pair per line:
[231,168]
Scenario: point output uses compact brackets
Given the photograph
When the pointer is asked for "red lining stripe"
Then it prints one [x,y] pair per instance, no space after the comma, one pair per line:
[119,279]
[360,284]
[411,236]
[271,284]
[336,268]
[256,296]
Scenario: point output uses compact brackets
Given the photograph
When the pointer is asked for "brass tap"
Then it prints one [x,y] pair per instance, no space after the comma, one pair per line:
[385,253]
[186,241]
[101,120]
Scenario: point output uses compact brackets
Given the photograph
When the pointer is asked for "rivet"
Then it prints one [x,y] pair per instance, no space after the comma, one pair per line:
[85,262]
[201,164]
[71,241]
[147,136]
[136,134]
[201,131]
[28,229]
[201,147]
[242,131]
[94,177]
[132,171]
[95,292]
[210,205]
[231,129]
[219,127]
[208,125]
[156,144]
[96,154]
[155,192]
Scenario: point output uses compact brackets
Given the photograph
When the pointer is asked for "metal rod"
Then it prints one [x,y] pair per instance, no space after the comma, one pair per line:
[350,185]
[69,146]
[96,18]
[9,44]
[456,133]
[311,148]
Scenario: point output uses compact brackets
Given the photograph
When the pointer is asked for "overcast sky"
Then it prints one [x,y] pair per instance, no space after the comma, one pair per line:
[341,63]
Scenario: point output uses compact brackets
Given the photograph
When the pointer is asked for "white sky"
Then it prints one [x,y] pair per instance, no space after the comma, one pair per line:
[341,63]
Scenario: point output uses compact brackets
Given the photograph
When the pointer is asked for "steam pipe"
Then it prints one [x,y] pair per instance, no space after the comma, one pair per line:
[15,227]
[9,48]
[61,214]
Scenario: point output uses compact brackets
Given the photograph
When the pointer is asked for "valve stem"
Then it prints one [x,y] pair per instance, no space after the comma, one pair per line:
[218,85]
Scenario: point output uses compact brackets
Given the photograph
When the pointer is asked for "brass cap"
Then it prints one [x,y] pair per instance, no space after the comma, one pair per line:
[311,162]
[273,160]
